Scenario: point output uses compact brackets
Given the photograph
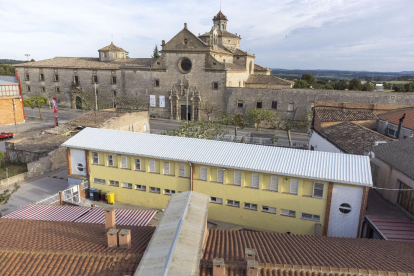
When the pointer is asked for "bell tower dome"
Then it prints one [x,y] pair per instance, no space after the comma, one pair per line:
[220,21]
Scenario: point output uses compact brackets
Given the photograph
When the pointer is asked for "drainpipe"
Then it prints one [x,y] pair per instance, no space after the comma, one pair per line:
[191,176]
[399,126]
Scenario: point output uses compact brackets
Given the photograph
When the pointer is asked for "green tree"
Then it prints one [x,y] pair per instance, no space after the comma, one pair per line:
[355,84]
[1,156]
[301,84]
[6,195]
[368,86]
[156,53]
[198,129]
[256,116]
[309,79]
[233,119]
[329,86]
[409,87]
[209,109]
[290,123]
[32,60]
[340,85]
[36,102]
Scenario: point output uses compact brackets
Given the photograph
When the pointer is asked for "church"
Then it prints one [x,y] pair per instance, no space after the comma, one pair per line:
[190,71]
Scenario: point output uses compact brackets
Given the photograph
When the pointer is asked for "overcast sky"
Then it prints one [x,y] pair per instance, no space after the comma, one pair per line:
[374,35]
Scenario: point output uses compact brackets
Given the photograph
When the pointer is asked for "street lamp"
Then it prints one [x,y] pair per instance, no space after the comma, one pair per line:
[27,56]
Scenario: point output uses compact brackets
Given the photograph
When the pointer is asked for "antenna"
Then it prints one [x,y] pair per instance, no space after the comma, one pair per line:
[220,5]
[112,38]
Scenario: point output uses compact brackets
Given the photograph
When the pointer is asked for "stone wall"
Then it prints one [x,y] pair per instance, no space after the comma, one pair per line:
[134,122]
[8,114]
[53,161]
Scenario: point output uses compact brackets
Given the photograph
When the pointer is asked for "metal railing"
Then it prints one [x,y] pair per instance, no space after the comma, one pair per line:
[49,200]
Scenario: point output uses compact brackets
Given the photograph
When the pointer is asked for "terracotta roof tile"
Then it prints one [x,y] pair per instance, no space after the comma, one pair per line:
[394,118]
[233,66]
[257,67]
[239,52]
[353,138]
[339,115]
[220,16]
[267,79]
[112,48]
[220,34]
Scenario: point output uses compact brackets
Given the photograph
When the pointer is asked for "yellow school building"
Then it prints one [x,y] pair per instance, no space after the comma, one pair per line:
[261,187]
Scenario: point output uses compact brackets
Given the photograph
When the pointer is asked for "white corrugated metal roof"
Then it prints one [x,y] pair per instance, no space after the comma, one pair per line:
[328,166]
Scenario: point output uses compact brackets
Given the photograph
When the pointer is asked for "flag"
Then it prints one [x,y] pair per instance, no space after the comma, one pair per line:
[55,108]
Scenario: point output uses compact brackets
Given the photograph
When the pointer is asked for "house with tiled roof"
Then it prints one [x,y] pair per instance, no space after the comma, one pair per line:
[397,124]
[324,117]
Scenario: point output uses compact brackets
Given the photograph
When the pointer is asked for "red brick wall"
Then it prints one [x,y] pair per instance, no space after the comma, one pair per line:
[6,111]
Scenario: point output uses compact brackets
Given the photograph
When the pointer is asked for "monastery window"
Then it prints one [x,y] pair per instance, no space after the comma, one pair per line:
[127,185]
[215,85]
[157,83]
[310,217]
[238,57]
[185,40]
[268,209]
[291,106]
[99,181]
[94,79]
[56,77]
[76,80]
[95,158]
[288,213]
[233,203]
[28,88]
[214,63]
[216,200]
[113,183]
[57,89]
[250,206]
[158,63]
[114,93]
[26,77]
[274,104]
[169,192]
[155,190]
[42,77]
[184,65]
[293,187]
[258,104]
[105,54]
[222,26]
[113,80]
[141,187]
[43,89]
[318,190]
[110,160]
[203,173]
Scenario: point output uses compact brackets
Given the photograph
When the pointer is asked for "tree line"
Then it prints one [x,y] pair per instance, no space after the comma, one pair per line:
[308,81]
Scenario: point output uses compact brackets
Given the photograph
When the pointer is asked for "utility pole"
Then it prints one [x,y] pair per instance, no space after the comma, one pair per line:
[27,56]
[186,112]
[14,113]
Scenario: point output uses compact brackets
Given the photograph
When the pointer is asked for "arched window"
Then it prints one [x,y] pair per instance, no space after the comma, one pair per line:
[218,27]
[222,26]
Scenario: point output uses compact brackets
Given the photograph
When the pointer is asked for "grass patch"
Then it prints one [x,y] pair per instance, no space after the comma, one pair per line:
[398,82]
[13,169]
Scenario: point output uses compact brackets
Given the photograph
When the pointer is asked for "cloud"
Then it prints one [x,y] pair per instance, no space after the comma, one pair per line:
[307,34]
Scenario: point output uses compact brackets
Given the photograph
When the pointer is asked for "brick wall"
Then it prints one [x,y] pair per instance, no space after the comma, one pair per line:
[7,113]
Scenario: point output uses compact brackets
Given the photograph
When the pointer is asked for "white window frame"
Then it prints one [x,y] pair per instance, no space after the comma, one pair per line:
[237,178]
[140,164]
[255,176]
[152,163]
[307,216]
[315,184]
[155,190]
[140,187]
[233,203]
[274,178]
[114,183]
[203,173]
[288,213]
[111,159]
[95,155]
[124,162]
[169,192]
[99,181]
[169,168]
[268,209]
[392,135]
[216,200]
[126,185]
[294,186]
[182,170]
[250,206]
[220,172]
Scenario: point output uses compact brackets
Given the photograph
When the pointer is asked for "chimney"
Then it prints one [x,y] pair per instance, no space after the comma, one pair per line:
[218,267]
[250,254]
[185,25]
[109,219]
[399,126]
[124,237]
[252,268]
[112,237]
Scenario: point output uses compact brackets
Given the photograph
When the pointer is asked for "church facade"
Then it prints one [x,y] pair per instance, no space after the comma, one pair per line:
[190,71]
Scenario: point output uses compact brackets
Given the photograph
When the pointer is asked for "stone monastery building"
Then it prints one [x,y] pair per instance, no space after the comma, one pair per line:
[202,67]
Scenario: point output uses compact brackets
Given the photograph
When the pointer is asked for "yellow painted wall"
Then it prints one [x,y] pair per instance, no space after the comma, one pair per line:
[303,202]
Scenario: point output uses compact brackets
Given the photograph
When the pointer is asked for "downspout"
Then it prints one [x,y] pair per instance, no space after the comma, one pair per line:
[399,126]
[191,176]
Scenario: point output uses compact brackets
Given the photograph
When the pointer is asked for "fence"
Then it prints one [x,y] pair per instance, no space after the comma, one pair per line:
[70,195]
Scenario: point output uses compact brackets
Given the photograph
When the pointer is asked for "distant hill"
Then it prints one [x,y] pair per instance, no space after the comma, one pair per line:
[11,61]
[344,75]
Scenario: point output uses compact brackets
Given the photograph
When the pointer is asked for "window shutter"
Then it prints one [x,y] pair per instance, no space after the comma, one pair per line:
[294,183]
[237,178]
[318,190]
[274,183]
[124,161]
[166,167]
[152,165]
[255,180]
[182,170]
[220,175]
[203,173]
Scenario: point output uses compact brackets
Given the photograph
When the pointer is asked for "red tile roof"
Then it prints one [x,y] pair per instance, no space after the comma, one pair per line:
[111,47]
[220,16]
[339,115]
[275,249]
[267,79]
[394,118]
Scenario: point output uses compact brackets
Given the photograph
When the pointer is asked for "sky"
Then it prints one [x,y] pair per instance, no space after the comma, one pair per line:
[372,35]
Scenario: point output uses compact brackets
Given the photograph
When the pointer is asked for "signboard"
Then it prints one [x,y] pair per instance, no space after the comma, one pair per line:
[162,101]
[152,101]
[55,108]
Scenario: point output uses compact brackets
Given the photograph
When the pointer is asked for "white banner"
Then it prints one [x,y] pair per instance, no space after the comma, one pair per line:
[162,101]
[152,101]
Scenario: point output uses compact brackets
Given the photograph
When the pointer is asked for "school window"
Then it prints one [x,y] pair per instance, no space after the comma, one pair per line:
[220,175]
[141,187]
[255,180]
[268,209]
[110,160]
[56,77]
[28,88]
[42,77]
[113,80]
[233,203]
[181,168]
[237,178]
[203,173]
[94,79]
[310,217]
[291,106]
[138,164]
[259,105]
[166,167]
[293,187]
[155,190]
[274,105]
[289,213]
[168,192]
[99,181]
[240,103]
[113,183]
[124,162]
[152,166]
[274,183]
[95,158]
[318,190]
[57,89]
[216,200]
[215,85]
[250,206]
[127,185]
[157,83]
[26,77]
